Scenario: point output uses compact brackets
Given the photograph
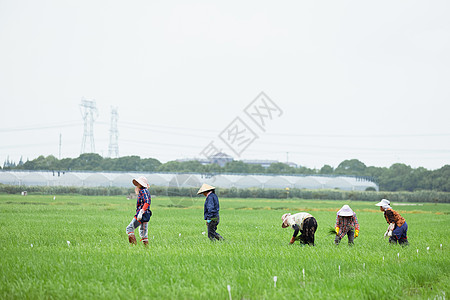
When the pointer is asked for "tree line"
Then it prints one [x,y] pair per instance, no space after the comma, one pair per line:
[397,177]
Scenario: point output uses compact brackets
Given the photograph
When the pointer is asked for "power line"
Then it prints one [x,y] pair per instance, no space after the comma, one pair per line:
[42,126]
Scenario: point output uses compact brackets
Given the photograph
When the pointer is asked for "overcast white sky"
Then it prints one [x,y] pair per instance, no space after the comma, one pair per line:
[353,79]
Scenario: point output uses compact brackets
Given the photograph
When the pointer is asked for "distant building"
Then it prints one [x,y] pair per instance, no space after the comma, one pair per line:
[262,163]
[267,163]
[123,179]
[291,164]
[220,159]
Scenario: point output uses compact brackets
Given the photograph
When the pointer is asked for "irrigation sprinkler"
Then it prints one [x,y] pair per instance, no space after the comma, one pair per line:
[428,249]
[303,271]
[417,251]
[274,281]
[398,256]
[179,235]
[68,243]
[441,246]
[31,245]
[339,270]
[229,290]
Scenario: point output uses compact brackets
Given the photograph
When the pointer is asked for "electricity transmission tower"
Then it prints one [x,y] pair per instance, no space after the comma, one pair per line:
[113,149]
[89,113]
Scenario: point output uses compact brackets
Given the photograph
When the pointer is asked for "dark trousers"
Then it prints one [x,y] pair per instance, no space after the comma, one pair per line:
[399,234]
[350,234]
[308,231]
[212,227]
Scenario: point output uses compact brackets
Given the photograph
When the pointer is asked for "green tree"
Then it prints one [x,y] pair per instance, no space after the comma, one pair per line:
[440,179]
[394,179]
[326,169]
[87,161]
[236,166]
[351,167]
[171,166]
[280,168]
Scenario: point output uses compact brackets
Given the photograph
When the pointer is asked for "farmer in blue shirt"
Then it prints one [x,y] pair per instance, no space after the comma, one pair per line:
[211,210]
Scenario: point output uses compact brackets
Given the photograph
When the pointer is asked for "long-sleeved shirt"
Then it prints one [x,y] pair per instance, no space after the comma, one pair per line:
[346,223]
[393,217]
[211,209]
[143,200]
[297,219]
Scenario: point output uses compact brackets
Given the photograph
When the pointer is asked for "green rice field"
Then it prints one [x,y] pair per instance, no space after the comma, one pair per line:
[75,247]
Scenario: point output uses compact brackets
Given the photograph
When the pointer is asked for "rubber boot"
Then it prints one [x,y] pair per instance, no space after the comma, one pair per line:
[145,242]
[132,238]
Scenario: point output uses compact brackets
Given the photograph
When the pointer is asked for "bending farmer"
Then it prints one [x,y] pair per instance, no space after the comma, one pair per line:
[301,222]
[397,228]
[346,224]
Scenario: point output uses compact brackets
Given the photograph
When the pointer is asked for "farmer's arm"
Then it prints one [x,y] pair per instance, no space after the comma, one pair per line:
[356,222]
[209,207]
[296,230]
[390,216]
[337,226]
[147,200]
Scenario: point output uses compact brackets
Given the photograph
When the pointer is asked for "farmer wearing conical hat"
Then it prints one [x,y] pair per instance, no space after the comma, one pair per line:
[397,228]
[211,210]
[346,224]
[301,222]
[143,212]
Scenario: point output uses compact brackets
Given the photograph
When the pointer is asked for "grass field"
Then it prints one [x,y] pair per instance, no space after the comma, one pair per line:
[36,260]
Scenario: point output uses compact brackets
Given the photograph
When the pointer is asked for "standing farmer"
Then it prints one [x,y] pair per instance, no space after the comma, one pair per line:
[346,224]
[301,222]
[397,228]
[143,212]
[211,210]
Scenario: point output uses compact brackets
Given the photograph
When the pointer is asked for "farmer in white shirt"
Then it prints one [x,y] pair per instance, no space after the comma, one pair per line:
[301,222]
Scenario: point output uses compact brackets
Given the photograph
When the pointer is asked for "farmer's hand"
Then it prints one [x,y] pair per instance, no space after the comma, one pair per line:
[389,230]
[292,240]
[139,216]
[356,233]
[337,230]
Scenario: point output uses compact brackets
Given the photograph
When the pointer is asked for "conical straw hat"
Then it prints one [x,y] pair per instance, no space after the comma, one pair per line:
[204,188]
[345,211]
[141,180]
[383,202]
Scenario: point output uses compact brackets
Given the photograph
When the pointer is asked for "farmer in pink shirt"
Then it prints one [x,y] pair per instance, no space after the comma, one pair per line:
[346,224]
